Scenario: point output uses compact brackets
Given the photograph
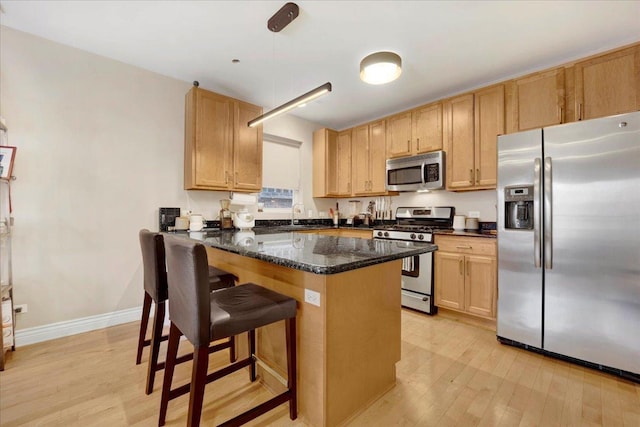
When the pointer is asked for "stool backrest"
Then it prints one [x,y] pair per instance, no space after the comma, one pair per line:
[153,262]
[188,280]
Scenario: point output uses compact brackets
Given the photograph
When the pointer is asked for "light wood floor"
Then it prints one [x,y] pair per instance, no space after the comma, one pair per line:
[451,374]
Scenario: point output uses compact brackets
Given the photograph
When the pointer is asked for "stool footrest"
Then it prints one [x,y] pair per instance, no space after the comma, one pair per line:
[258,410]
[147,343]
[185,358]
[184,389]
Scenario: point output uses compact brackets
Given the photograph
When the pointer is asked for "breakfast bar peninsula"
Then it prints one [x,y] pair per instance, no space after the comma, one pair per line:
[348,322]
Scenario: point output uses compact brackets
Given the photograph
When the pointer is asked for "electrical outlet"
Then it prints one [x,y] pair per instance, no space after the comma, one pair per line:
[20,308]
[474,214]
[312,297]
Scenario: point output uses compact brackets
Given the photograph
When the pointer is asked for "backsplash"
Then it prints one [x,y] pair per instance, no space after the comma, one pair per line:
[483,201]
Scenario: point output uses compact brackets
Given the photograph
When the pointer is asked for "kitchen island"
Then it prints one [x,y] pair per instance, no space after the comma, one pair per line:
[348,323]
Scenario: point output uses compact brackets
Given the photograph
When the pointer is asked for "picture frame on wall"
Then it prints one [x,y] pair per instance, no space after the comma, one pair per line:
[7,156]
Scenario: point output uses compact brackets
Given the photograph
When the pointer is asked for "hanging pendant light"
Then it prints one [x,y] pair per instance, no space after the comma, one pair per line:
[380,68]
[296,102]
[276,23]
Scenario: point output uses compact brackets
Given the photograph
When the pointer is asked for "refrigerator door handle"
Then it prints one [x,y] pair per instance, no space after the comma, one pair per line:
[548,229]
[537,212]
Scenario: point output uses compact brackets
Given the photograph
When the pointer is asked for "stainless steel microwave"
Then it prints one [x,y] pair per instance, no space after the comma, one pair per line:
[416,173]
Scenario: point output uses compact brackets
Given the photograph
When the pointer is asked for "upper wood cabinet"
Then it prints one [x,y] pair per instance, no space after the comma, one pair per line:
[221,151]
[331,163]
[608,84]
[399,135]
[536,100]
[426,128]
[325,153]
[473,123]
[368,159]
[344,163]
[414,132]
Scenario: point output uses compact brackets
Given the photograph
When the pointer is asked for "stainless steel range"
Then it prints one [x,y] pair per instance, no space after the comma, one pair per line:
[417,224]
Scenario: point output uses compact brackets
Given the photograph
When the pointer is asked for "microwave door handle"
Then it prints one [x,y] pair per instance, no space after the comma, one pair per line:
[423,180]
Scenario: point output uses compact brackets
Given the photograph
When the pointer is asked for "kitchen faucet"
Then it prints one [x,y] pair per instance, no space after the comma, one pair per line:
[293,212]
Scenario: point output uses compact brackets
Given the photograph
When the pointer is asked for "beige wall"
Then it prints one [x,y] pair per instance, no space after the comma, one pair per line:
[100,148]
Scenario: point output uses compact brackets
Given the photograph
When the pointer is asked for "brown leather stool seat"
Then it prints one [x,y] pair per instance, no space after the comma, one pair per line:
[155,287]
[204,317]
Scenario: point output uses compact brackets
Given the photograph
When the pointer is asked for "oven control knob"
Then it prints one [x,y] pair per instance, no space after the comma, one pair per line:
[420,237]
[379,233]
[386,234]
[413,236]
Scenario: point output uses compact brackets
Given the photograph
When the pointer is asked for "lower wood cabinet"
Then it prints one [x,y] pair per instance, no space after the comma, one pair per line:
[342,232]
[466,274]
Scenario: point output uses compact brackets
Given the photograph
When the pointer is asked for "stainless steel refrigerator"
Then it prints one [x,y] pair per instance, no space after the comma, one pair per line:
[569,241]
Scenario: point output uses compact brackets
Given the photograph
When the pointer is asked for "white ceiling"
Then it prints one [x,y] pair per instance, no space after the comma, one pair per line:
[446,46]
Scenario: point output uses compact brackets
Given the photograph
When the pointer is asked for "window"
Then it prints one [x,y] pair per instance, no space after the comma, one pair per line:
[280,172]
[276,198]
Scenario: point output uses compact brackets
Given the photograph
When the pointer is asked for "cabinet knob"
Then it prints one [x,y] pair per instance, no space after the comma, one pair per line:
[477,176]
[471,176]
[461,266]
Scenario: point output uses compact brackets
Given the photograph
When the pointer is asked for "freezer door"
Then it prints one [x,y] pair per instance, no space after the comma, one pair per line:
[592,261]
[519,279]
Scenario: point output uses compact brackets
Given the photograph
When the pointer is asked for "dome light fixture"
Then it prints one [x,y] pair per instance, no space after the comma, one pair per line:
[380,68]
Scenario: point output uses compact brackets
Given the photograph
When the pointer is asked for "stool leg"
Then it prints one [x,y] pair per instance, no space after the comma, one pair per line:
[156,334]
[170,364]
[292,381]
[198,381]
[146,308]
[232,349]
[252,352]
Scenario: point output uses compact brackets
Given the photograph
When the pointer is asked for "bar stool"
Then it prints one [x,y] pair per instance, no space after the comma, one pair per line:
[204,317]
[155,287]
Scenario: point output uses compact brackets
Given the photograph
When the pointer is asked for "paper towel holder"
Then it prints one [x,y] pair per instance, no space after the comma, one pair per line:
[242,199]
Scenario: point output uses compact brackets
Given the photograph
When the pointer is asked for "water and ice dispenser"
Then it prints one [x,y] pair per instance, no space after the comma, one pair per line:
[518,209]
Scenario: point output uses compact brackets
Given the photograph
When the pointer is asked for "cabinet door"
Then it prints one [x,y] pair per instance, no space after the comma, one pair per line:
[426,125]
[480,291]
[399,135]
[360,160]
[539,100]
[247,148]
[609,84]
[208,140]
[460,146]
[489,123]
[377,157]
[449,280]
[344,163]
[331,170]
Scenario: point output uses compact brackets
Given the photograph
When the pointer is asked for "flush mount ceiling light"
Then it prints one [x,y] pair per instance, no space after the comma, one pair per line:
[302,99]
[380,68]
[276,23]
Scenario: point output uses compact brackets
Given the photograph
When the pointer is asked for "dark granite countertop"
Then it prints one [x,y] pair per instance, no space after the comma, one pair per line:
[315,253]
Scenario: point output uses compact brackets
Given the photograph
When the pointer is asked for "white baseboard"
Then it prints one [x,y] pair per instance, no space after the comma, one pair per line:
[71,327]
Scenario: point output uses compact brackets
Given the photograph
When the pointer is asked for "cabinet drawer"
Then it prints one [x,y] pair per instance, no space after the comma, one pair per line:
[466,245]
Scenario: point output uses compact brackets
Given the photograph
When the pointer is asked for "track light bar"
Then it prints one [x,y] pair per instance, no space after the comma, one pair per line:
[319,91]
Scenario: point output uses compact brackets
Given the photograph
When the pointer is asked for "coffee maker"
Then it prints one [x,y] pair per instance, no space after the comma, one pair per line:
[518,209]
[167,218]
[226,221]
